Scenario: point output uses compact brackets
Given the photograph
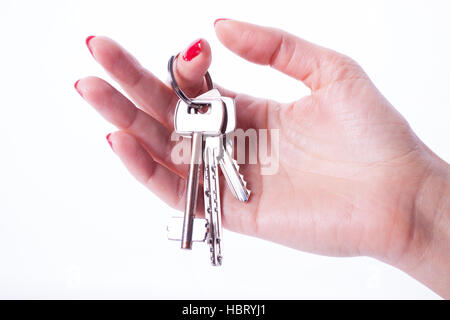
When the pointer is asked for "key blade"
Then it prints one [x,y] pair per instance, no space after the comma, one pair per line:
[211,190]
[192,190]
[216,255]
[175,229]
[235,180]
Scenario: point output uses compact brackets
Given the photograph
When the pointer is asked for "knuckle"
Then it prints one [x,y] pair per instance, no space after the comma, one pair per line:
[132,120]
[136,77]
[345,68]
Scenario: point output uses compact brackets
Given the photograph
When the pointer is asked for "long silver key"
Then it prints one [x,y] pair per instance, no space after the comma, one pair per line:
[214,152]
[189,122]
[211,193]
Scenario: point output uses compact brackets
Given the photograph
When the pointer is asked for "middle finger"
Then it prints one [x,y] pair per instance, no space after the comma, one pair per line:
[122,113]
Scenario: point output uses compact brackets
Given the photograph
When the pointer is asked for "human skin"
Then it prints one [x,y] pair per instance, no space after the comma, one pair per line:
[353,177]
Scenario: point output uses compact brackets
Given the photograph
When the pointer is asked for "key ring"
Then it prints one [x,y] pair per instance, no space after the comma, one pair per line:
[178,90]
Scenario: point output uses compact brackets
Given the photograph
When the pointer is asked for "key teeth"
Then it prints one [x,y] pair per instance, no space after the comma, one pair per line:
[240,174]
[244,182]
[234,161]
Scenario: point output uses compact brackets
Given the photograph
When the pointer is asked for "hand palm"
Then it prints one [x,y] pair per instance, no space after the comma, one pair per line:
[339,147]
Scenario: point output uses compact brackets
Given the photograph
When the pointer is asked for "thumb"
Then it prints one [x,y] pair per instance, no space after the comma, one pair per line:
[314,65]
[191,66]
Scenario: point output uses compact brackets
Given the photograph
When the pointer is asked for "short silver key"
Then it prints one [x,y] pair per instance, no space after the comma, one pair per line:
[230,169]
[228,164]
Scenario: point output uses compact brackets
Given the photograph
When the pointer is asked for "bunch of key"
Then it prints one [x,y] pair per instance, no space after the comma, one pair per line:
[206,119]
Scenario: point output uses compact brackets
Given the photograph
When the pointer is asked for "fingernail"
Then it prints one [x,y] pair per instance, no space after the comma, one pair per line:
[220,19]
[194,49]
[76,88]
[87,43]
[108,136]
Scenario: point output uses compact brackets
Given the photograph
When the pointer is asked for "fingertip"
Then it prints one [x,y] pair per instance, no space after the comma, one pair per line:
[193,50]
[88,40]
[101,47]
[75,85]
[198,51]
[110,141]
[220,19]
[250,41]
[226,29]
[122,140]
[84,86]
[192,64]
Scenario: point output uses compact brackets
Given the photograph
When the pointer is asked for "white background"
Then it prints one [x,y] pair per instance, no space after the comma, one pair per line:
[75,224]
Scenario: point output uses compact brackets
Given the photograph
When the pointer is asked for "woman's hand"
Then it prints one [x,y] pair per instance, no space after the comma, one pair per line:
[351,176]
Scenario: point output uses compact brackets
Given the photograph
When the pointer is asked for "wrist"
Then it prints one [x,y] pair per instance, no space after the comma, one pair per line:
[427,257]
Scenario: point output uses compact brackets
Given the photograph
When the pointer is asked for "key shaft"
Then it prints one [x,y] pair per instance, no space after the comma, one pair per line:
[213,212]
[192,190]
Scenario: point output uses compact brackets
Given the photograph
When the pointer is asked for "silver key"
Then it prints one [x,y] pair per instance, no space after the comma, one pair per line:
[211,191]
[189,122]
[230,170]
[214,152]
[211,188]
[228,164]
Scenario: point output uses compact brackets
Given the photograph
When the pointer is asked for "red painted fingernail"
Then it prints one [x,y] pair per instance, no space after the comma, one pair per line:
[76,88]
[194,49]
[109,140]
[87,43]
[220,19]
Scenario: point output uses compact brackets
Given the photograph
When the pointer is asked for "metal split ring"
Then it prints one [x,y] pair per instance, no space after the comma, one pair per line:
[178,90]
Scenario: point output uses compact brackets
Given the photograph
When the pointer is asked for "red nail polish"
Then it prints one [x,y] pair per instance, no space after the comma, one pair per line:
[87,43]
[109,140]
[76,88]
[194,49]
[220,19]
